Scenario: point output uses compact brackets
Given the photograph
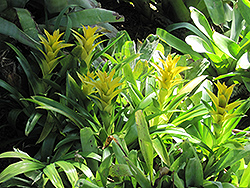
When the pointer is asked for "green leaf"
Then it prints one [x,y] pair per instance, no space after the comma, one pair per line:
[198,44]
[55,6]
[17,3]
[119,170]
[85,169]
[11,30]
[138,174]
[191,85]
[226,45]
[231,157]
[145,141]
[102,52]
[49,104]
[35,82]
[3,5]
[190,27]
[119,154]
[237,24]
[68,139]
[194,112]
[14,93]
[177,43]
[51,172]
[244,7]
[27,23]
[22,166]
[216,11]
[84,113]
[91,16]
[69,170]
[232,144]
[178,182]
[33,119]
[161,150]
[16,181]
[148,47]
[194,173]
[82,183]
[135,95]
[103,171]
[171,131]
[244,181]
[244,61]
[89,145]
[181,161]
[17,154]
[201,22]
[88,141]
[47,128]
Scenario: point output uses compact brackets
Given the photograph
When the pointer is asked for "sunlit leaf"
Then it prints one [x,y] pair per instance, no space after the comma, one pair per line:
[69,170]
[216,11]
[53,175]
[22,166]
[161,150]
[201,22]
[145,141]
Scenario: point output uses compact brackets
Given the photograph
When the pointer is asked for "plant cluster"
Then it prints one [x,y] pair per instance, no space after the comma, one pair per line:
[116,113]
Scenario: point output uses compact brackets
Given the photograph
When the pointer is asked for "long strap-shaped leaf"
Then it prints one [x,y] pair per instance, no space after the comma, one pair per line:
[11,30]
[51,172]
[92,16]
[49,104]
[19,168]
[33,79]
[145,141]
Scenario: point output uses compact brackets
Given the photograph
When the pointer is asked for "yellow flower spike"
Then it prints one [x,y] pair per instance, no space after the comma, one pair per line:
[89,31]
[54,37]
[87,88]
[222,110]
[107,88]
[87,42]
[52,46]
[168,74]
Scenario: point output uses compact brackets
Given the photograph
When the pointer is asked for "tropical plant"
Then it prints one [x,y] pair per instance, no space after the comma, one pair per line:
[125,115]
[227,58]
[64,14]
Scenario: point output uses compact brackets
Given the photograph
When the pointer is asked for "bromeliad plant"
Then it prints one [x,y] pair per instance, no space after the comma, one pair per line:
[105,90]
[108,126]
[52,46]
[222,110]
[86,43]
[226,54]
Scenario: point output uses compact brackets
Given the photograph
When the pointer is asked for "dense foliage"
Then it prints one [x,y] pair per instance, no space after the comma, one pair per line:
[101,110]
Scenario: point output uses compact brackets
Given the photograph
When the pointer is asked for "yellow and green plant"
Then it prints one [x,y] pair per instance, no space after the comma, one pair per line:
[86,43]
[169,76]
[86,87]
[222,109]
[107,89]
[52,46]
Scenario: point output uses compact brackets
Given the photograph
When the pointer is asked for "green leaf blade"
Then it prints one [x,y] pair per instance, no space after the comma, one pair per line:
[145,141]
[22,166]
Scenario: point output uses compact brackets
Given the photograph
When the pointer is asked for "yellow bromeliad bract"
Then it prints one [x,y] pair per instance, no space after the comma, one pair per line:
[106,87]
[52,46]
[169,76]
[87,88]
[222,109]
[86,43]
